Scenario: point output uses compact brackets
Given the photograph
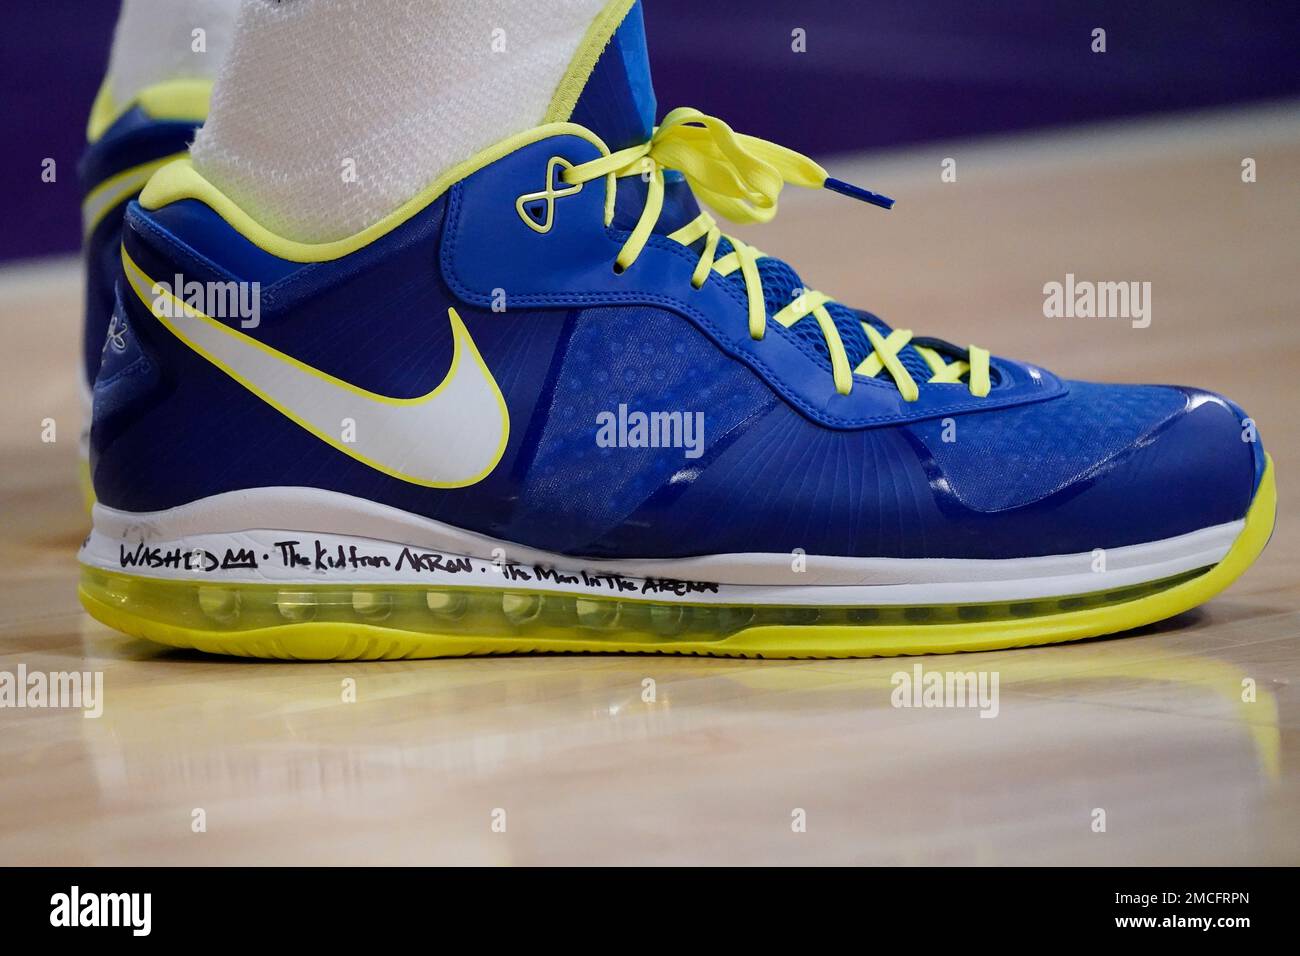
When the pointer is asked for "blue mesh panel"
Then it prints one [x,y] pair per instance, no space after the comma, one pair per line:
[780,286]
[849,323]
[780,283]
[1015,456]
[910,357]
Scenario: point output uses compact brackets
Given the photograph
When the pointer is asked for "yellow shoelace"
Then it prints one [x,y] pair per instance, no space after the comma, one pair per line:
[740,177]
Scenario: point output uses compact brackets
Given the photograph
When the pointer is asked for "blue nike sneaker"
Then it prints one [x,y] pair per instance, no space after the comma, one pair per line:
[126,144]
[548,405]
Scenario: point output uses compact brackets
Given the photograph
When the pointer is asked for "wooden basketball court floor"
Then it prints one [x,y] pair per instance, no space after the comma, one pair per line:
[1157,729]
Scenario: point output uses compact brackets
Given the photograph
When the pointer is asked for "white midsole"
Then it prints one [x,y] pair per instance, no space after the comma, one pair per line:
[306,536]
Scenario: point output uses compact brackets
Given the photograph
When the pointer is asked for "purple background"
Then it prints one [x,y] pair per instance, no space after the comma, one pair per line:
[875,74]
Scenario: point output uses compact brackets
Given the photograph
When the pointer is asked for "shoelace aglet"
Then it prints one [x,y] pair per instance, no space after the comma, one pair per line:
[857,192]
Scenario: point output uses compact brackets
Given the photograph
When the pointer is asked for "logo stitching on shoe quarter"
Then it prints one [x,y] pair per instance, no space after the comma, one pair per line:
[537,210]
[450,437]
[115,337]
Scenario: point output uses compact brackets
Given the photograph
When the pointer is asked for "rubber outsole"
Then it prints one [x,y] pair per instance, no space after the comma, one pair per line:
[326,622]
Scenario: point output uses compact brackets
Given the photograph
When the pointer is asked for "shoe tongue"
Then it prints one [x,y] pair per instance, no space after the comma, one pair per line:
[617,103]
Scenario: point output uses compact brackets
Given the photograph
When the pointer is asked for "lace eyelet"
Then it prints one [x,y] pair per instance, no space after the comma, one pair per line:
[618,269]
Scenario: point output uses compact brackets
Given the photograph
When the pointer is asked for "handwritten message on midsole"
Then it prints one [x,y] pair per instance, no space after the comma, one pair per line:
[279,557]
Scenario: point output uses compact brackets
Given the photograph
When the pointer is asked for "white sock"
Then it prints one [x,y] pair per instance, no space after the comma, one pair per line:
[398,90]
[155,42]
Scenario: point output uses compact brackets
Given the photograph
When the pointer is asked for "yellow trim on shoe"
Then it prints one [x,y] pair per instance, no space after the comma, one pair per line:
[112,192]
[180,180]
[111,597]
[87,484]
[594,41]
[187,99]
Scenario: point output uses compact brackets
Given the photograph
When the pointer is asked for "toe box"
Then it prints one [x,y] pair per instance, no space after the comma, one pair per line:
[1104,466]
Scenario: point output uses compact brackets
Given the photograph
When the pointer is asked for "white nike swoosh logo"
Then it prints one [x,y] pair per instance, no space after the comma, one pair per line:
[452,437]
